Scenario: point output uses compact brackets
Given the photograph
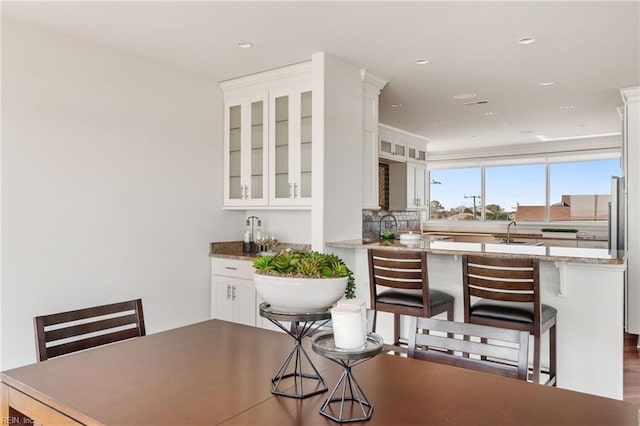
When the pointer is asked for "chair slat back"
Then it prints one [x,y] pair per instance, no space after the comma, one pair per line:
[501,279]
[403,270]
[506,351]
[71,331]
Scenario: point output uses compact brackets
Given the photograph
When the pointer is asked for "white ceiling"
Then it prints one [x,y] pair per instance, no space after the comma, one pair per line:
[589,49]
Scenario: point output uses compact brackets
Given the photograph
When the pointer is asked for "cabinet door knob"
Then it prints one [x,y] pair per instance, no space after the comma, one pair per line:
[230,267]
[228,292]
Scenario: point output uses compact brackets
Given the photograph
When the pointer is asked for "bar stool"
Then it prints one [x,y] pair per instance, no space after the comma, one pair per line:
[509,293]
[404,276]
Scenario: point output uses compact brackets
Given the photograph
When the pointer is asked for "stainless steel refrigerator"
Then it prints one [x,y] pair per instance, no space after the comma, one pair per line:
[617,209]
[617,240]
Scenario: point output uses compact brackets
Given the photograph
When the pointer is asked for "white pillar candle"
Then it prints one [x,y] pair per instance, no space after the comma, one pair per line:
[360,304]
[348,331]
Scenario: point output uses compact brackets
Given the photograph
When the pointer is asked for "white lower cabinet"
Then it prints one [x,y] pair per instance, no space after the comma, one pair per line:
[234,300]
[233,294]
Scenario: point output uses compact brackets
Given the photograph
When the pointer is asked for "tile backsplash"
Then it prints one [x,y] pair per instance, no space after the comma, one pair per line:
[407,221]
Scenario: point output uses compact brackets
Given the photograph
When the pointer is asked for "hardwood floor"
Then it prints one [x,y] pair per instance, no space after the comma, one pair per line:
[631,369]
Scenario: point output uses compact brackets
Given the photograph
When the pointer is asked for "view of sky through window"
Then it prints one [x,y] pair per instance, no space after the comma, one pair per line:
[521,189]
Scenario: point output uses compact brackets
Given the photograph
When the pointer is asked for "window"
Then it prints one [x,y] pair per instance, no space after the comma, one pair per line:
[510,187]
[455,194]
[581,191]
[578,191]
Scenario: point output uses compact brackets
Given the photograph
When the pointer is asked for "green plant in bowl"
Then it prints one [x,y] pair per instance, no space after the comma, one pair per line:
[387,235]
[310,264]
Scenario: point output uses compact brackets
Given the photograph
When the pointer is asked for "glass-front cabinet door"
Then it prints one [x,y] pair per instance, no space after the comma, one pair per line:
[245,142]
[390,147]
[416,153]
[291,142]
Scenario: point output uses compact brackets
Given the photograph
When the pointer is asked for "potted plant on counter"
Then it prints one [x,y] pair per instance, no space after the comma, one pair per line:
[302,282]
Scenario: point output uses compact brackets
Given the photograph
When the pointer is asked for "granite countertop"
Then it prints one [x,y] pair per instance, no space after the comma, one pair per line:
[233,249]
[541,252]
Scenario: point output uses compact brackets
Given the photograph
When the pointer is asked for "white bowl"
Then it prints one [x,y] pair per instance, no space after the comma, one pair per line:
[299,295]
[410,237]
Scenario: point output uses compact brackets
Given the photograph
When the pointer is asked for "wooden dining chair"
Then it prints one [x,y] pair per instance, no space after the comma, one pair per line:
[399,284]
[489,349]
[506,293]
[71,331]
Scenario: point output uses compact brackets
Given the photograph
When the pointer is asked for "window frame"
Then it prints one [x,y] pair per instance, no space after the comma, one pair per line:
[547,161]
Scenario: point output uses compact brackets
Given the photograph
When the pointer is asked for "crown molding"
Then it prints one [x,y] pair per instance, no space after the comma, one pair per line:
[372,83]
[395,131]
[630,94]
[292,74]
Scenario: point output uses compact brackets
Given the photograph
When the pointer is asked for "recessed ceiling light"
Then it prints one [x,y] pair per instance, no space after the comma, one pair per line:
[464,96]
[422,61]
[395,105]
[438,122]
[527,40]
[243,44]
[566,107]
[546,83]
[489,113]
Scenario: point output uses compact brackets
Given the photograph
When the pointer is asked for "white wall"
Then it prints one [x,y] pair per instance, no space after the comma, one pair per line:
[111,185]
[288,226]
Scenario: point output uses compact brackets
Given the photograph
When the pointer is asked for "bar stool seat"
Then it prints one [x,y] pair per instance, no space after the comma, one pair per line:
[506,294]
[399,284]
[413,298]
[511,311]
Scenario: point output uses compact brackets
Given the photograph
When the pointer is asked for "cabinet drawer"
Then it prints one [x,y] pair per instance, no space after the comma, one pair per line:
[232,268]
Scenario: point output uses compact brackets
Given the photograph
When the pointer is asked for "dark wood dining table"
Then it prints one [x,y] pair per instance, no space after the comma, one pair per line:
[217,372]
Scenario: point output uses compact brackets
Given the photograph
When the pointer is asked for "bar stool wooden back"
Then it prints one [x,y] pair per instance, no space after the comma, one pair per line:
[399,284]
[509,293]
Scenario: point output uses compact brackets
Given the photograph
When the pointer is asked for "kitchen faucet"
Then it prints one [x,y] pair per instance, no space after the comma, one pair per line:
[513,222]
[387,216]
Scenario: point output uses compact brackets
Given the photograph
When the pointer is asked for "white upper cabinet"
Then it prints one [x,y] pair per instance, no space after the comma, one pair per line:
[417,153]
[391,147]
[245,151]
[267,139]
[407,152]
[290,147]
[408,186]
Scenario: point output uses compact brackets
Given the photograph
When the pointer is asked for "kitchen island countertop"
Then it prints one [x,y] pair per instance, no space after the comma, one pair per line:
[541,252]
